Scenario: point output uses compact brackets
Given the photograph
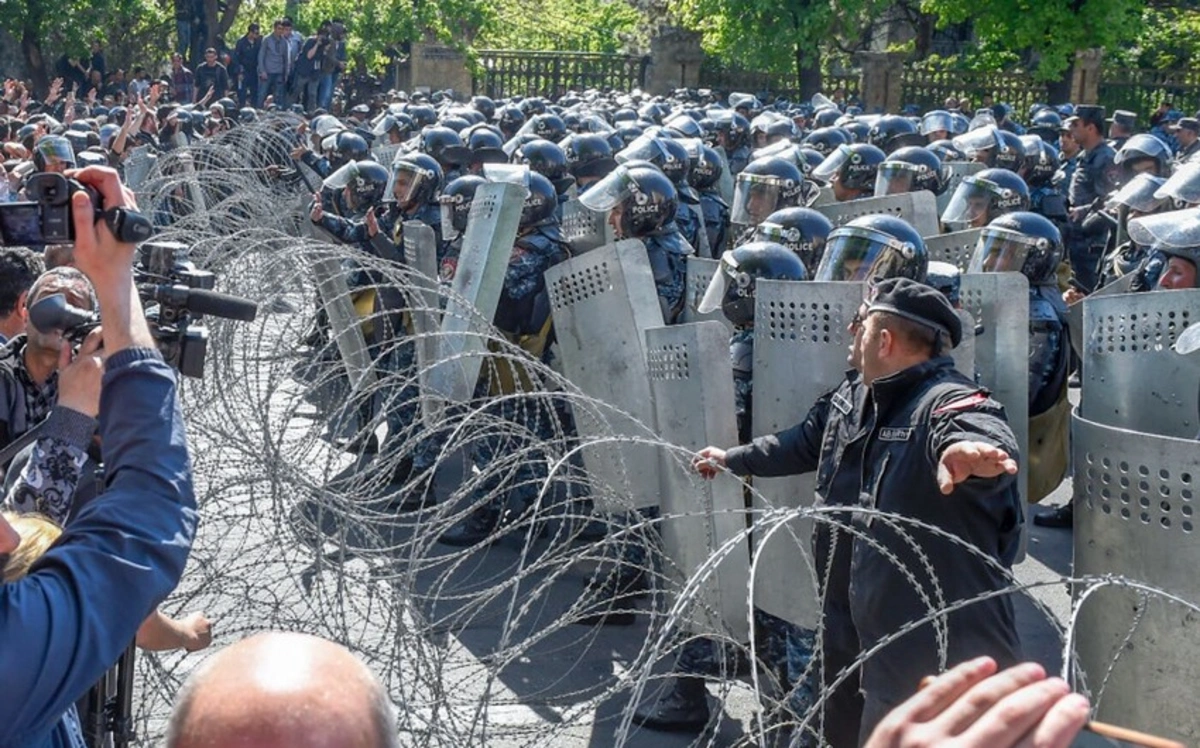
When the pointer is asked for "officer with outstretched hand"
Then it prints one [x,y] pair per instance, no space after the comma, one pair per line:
[80,606]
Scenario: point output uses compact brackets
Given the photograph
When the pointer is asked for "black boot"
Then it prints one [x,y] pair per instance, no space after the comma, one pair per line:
[1060,517]
[612,598]
[479,526]
[682,706]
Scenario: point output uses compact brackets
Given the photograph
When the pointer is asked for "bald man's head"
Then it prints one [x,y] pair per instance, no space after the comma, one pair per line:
[280,689]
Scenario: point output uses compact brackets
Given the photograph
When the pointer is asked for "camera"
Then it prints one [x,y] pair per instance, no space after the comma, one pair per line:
[45,218]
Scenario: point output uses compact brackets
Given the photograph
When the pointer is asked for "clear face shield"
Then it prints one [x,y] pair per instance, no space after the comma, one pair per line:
[754,198]
[825,171]
[971,202]
[862,254]
[719,286]
[897,177]
[407,180]
[1001,250]
[644,147]
[1138,194]
[937,121]
[609,192]
[1179,229]
[977,140]
[1183,186]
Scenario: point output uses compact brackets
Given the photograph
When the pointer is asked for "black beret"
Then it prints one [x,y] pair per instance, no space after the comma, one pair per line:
[918,303]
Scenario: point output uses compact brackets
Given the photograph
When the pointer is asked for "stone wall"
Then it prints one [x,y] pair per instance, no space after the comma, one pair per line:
[12,62]
[675,59]
[435,67]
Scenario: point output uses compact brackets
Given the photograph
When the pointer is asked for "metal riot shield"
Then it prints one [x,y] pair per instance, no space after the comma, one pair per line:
[385,153]
[420,246]
[344,323]
[800,345]
[918,208]
[699,274]
[138,165]
[1075,311]
[954,174]
[726,182]
[584,229]
[487,246]
[824,196]
[956,248]
[702,248]
[964,353]
[1131,377]
[602,302]
[691,380]
[999,302]
[1135,519]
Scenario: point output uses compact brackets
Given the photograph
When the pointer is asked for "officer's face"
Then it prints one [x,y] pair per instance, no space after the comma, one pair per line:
[1179,273]
[937,135]
[614,220]
[760,204]
[1186,137]
[875,345]
[856,331]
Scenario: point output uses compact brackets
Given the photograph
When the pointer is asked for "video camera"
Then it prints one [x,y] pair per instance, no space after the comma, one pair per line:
[46,217]
[176,294]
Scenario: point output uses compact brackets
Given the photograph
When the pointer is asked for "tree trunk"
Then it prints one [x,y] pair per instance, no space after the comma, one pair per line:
[924,35]
[1058,91]
[39,73]
[808,70]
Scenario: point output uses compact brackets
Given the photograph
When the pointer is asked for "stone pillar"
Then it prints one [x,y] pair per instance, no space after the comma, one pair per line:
[436,67]
[881,83]
[12,60]
[1085,76]
[675,59]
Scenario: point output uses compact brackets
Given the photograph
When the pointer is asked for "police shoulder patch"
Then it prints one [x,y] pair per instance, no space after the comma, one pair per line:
[963,403]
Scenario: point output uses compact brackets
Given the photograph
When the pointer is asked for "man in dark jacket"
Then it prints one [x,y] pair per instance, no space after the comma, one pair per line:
[245,58]
[919,451]
[211,76]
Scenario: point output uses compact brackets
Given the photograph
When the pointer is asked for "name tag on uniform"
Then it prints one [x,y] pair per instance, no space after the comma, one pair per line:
[842,403]
[895,435]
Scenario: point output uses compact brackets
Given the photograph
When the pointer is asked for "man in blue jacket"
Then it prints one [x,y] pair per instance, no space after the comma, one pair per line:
[69,620]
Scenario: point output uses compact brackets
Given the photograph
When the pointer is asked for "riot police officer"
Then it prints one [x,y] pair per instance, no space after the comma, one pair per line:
[1187,132]
[851,170]
[765,186]
[802,230]
[705,177]
[1094,179]
[982,197]
[910,169]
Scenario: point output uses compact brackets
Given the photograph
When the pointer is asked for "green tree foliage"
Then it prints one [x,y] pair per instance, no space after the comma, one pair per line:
[1052,29]
[1168,38]
[579,25]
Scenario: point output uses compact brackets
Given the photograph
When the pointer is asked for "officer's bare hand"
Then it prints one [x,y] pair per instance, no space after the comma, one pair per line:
[1073,296]
[963,460]
[372,224]
[973,706]
[317,212]
[195,632]
[79,379]
[709,462]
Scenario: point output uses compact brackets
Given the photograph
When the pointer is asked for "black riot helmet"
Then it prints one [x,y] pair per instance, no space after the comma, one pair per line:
[732,287]
[1040,161]
[346,147]
[706,169]
[1047,125]
[874,248]
[589,156]
[510,120]
[547,126]
[826,139]
[416,179]
[533,105]
[484,106]
[541,202]
[366,181]
[765,186]
[677,164]
[983,197]
[117,115]
[684,126]
[854,166]
[1143,153]
[644,196]
[53,153]
[1172,234]
[486,145]
[857,132]
[946,278]
[981,144]
[910,169]
[731,130]
[947,151]
[423,115]
[1012,155]
[802,230]
[455,202]
[891,132]
[826,117]
[547,159]
[400,124]
[1019,242]
[445,146]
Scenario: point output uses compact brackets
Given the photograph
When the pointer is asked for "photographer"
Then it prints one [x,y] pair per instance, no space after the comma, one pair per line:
[310,64]
[71,617]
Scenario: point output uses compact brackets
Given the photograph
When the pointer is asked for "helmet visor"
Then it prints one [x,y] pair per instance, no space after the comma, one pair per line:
[1139,194]
[754,198]
[406,182]
[344,176]
[644,147]
[935,121]
[1184,185]
[855,253]
[1179,229]
[970,203]
[609,191]
[727,273]
[824,171]
[1001,251]
[56,151]
[511,173]
[896,177]
[978,139]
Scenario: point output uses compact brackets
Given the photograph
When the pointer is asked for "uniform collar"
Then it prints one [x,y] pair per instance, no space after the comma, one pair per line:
[897,386]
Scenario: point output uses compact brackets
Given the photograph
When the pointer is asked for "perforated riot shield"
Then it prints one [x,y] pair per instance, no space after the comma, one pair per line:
[824,196]
[420,247]
[385,153]
[726,182]
[344,325]
[800,345]
[1135,519]
[487,246]
[1075,311]
[1131,377]
[699,274]
[584,229]
[918,208]
[691,380]
[964,353]
[999,303]
[954,175]
[602,303]
[956,248]
[138,165]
